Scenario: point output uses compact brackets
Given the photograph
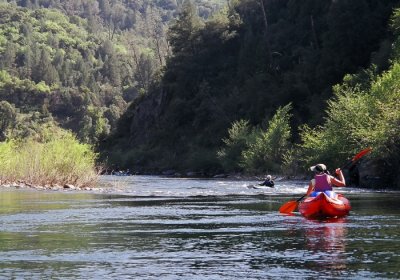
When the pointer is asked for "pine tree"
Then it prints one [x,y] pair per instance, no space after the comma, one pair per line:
[26,63]
[7,60]
[8,116]
[111,69]
[45,70]
[182,35]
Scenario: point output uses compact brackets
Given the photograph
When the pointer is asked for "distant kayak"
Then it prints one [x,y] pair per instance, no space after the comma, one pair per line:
[258,187]
[322,206]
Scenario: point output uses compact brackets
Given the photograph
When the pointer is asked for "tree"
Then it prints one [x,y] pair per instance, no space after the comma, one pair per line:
[45,71]
[8,58]
[93,126]
[8,116]
[183,34]
[113,113]
[262,6]
[26,61]
[111,69]
[239,137]
[266,153]
[157,32]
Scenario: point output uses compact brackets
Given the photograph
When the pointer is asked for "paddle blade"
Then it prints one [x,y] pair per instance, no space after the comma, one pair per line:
[356,157]
[361,154]
[288,207]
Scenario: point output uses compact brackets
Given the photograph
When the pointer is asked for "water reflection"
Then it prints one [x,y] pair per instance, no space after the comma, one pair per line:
[327,240]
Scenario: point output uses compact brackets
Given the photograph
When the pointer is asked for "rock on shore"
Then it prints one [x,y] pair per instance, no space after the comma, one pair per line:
[52,187]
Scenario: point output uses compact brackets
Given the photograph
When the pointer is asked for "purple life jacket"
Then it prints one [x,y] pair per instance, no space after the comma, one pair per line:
[322,183]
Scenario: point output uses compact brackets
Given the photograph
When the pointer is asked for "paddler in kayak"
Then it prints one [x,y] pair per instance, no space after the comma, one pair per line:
[268,182]
[323,182]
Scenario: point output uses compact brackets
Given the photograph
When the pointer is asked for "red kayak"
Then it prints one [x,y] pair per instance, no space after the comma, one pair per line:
[323,206]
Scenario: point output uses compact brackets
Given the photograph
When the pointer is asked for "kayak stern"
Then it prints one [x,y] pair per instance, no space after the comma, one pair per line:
[322,206]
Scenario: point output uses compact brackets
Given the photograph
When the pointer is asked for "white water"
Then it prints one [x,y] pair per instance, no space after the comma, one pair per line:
[177,187]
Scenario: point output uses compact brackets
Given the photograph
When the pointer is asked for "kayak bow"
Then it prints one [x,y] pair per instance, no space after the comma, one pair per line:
[323,206]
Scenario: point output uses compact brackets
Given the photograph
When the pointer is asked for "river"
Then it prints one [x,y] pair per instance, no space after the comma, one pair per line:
[147,227]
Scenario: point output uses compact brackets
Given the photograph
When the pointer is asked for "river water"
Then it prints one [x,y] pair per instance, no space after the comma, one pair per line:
[142,227]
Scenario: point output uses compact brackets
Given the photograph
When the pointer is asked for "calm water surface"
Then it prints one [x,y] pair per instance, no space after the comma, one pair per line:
[157,228]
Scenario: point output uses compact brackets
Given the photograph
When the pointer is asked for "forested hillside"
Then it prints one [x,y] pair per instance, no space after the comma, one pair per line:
[227,77]
[78,64]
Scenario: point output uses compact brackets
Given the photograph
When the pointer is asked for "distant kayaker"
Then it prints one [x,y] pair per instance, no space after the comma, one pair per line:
[268,182]
[323,182]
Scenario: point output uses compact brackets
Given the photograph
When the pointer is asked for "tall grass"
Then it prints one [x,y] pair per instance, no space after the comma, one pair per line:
[61,160]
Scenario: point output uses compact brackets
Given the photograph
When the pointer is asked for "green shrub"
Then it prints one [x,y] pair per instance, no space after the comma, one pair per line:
[266,153]
[357,119]
[239,137]
[61,159]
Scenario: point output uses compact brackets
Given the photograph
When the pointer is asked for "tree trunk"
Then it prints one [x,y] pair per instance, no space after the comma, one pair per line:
[266,32]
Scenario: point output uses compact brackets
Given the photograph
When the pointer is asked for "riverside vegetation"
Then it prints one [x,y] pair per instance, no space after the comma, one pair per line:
[56,161]
[253,86]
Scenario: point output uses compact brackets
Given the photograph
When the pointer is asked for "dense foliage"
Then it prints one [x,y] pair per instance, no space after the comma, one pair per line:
[270,146]
[243,64]
[56,158]
[361,115]
[79,63]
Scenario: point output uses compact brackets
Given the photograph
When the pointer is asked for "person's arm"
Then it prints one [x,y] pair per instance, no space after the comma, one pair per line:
[310,187]
[338,182]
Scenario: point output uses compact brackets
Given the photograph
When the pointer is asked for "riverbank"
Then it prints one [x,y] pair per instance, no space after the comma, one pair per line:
[52,187]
